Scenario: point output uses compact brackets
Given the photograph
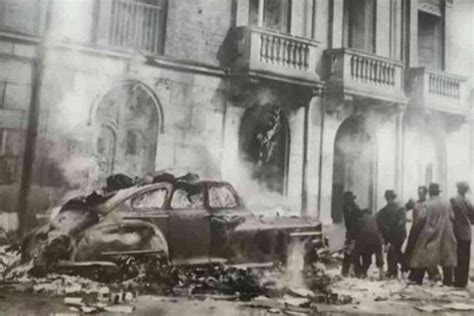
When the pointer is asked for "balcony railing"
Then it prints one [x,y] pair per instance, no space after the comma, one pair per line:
[268,52]
[437,90]
[132,25]
[361,73]
[444,85]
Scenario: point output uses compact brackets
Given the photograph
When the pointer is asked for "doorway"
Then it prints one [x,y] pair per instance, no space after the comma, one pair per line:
[354,165]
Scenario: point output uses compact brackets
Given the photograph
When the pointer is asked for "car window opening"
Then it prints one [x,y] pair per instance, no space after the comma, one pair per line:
[188,196]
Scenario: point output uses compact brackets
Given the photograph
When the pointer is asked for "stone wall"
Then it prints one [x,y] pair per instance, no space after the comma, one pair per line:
[196,29]
[192,108]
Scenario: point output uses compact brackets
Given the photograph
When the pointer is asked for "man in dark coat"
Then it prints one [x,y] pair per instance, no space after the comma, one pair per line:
[419,217]
[392,224]
[436,243]
[351,212]
[368,242]
[463,219]
[418,211]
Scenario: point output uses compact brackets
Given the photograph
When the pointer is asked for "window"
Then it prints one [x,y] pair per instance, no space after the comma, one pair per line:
[130,123]
[359,24]
[20,16]
[430,53]
[131,143]
[133,24]
[221,196]
[151,199]
[271,14]
[188,197]
[264,139]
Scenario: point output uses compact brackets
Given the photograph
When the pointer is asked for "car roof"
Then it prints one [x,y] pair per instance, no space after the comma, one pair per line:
[124,194]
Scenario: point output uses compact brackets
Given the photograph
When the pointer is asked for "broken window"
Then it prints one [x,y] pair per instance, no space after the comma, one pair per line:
[151,199]
[359,24]
[264,143]
[221,197]
[190,197]
[275,14]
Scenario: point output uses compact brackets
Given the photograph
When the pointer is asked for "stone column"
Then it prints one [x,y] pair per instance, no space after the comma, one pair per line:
[311,157]
[413,33]
[242,13]
[400,147]
[336,14]
[448,28]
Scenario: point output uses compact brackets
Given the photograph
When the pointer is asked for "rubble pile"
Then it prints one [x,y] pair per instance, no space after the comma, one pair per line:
[8,259]
[147,276]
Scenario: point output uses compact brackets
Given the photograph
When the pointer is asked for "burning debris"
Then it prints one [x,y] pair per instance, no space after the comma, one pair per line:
[91,248]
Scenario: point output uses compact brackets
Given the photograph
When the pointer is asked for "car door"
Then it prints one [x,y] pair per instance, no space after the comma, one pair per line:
[189,224]
[227,212]
[150,205]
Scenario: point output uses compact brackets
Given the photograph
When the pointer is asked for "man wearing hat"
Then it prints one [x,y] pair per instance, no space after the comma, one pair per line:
[392,224]
[419,210]
[351,212]
[463,219]
[436,244]
[368,242]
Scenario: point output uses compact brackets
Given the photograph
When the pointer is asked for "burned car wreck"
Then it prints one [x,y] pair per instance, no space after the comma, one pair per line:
[180,220]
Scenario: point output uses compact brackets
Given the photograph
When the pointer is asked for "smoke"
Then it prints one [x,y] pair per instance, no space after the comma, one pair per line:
[69,100]
[265,96]
[257,196]
[293,276]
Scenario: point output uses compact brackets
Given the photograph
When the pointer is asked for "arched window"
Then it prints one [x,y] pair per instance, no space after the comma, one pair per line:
[128,122]
[264,144]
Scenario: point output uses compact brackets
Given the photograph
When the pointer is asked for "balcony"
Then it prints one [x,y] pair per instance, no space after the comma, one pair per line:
[437,90]
[363,74]
[130,25]
[265,53]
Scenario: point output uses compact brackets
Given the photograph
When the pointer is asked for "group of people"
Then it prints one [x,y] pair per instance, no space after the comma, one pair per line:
[440,236]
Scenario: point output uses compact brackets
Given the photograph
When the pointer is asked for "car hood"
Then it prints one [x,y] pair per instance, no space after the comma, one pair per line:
[245,220]
[277,223]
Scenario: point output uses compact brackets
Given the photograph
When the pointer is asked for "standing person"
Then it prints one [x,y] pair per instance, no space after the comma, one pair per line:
[463,219]
[419,219]
[419,215]
[436,244]
[392,224]
[351,212]
[368,242]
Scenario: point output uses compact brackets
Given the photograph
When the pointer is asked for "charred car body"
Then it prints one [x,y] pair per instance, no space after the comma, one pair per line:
[181,220]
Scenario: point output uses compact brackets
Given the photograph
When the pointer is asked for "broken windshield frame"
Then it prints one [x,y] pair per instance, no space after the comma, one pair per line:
[237,199]
[124,197]
[192,196]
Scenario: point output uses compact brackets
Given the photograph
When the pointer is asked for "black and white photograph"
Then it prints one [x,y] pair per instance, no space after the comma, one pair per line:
[236,157]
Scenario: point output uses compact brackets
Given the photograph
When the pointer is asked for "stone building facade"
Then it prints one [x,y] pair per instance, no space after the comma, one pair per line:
[292,101]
